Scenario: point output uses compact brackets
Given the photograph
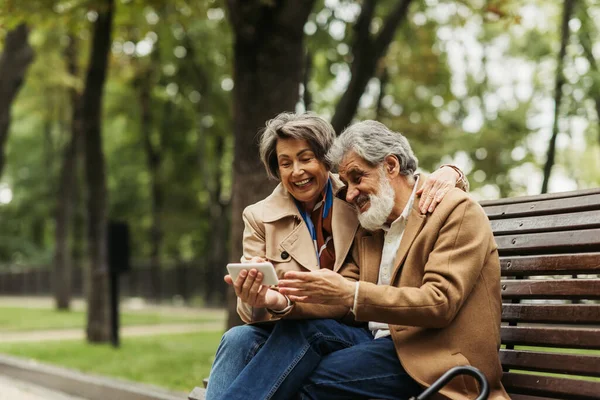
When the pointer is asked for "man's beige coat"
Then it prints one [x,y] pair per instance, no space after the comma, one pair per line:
[444,303]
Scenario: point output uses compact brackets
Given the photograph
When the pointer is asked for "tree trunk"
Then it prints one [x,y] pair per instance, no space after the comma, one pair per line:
[98,322]
[560,80]
[219,212]
[268,64]
[14,62]
[154,160]
[63,262]
[367,53]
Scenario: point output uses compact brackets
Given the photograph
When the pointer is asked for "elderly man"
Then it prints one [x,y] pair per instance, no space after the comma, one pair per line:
[429,285]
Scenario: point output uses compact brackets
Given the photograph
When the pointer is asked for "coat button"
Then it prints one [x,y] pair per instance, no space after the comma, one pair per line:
[285,255]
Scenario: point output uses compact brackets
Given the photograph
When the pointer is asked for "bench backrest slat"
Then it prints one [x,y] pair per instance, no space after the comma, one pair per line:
[544,207]
[550,264]
[556,264]
[551,289]
[550,243]
[569,337]
[547,223]
[550,362]
[553,387]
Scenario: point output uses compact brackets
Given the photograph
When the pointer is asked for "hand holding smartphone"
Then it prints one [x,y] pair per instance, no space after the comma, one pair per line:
[267,269]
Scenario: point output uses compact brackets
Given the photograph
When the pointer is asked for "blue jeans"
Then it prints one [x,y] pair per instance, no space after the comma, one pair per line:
[365,371]
[273,361]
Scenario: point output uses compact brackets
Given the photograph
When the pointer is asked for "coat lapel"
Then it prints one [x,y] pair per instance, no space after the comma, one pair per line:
[370,257]
[344,224]
[414,224]
[300,247]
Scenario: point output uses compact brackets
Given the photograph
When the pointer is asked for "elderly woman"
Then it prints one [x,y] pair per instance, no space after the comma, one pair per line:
[304,225]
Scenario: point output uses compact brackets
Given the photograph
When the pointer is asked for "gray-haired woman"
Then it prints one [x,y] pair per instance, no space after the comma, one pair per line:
[304,225]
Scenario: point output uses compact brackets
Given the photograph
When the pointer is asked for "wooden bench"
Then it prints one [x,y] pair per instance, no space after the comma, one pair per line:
[550,260]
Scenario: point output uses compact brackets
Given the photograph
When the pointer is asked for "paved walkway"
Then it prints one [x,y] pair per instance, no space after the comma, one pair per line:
[128,331]
[13,389]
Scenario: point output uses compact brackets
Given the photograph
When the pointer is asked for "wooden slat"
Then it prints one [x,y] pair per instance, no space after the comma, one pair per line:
[551,289]
[580,314]
[526,397]
[544,207]
[537,197]
[547,223]
[553,242]
[572,364]
[560,388]
[563,337]
[560,264]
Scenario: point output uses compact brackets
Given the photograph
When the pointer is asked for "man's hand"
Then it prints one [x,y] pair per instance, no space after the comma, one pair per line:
[322,287]
[249,289]
[435,188]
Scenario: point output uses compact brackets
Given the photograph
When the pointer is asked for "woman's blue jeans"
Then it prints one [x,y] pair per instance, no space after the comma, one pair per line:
[277,360]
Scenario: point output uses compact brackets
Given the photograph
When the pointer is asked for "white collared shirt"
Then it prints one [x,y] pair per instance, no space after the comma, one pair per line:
[393,238]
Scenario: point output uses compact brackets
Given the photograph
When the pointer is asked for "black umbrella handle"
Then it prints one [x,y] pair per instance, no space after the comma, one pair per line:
[444,379]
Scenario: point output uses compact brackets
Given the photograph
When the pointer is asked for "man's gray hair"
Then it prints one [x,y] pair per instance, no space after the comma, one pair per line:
[305,126]
[373,141]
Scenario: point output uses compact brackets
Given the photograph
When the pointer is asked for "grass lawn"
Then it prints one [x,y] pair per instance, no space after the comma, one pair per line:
[27,319]
[177,362]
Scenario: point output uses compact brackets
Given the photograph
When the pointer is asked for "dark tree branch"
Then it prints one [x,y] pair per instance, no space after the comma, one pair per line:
[367,54]
[383,80]
[560,80]
[390,26]
[307,95]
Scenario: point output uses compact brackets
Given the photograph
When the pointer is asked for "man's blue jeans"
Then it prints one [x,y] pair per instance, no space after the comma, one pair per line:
[271,361]
[275,361]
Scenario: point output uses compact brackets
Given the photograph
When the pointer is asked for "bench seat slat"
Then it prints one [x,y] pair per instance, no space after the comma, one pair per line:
[576,338]
[543,207]
[559,264]
[551,289]
[560,388]
[551,242]
[552,313]
[573,364]
[547,223]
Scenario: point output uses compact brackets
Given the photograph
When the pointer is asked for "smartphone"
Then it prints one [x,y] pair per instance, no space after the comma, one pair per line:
[267,269]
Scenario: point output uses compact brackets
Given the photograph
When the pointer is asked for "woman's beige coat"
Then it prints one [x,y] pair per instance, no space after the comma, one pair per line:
[275,230]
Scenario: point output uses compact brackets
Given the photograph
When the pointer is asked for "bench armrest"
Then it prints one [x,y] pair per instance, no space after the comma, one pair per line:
[447,377]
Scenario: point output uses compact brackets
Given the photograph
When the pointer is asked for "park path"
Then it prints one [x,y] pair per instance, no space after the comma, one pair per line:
[125,331]
[128,331]
[13,389]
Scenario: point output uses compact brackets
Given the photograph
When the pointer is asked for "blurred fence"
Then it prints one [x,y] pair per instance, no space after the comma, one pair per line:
[180,280]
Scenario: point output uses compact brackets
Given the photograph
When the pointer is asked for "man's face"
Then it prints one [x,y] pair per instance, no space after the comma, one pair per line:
[369,190]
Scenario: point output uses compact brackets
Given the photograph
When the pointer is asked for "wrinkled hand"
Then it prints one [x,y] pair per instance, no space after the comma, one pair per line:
[249,289]
[322,287]
[436,187]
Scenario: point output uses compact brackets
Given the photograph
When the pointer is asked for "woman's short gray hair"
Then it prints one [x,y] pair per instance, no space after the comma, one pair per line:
[373,141]
[305,126]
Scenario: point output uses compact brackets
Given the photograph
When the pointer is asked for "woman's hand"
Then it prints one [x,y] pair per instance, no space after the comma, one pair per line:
[248,287]
[322,287]
[436,187]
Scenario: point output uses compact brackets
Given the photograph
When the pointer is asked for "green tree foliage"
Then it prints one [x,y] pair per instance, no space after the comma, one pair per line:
[467,81]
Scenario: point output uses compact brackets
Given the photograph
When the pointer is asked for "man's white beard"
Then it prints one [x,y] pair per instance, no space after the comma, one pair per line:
[380,205]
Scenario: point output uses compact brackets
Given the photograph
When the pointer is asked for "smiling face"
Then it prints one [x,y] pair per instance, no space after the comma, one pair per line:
[301,173]
[369,190]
